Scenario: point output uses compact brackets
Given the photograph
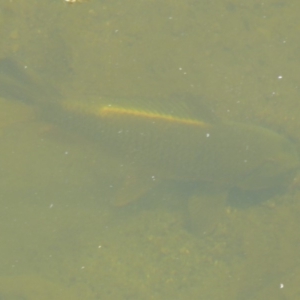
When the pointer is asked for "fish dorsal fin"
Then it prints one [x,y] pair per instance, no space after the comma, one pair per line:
[177,106]
[115,111]
[184,109]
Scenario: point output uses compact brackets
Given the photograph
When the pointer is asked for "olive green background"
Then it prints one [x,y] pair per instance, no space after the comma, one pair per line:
[60,236]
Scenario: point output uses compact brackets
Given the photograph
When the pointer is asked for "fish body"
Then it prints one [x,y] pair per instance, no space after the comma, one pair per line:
[167,146]
[164,142]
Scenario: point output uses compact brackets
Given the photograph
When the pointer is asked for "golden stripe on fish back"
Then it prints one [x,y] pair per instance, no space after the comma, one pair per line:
[109,111]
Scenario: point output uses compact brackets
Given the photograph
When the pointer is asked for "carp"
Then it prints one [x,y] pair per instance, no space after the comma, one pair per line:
[167,141]
[166,146]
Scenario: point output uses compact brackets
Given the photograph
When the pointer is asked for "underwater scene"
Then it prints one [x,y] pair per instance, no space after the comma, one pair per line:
[149,150]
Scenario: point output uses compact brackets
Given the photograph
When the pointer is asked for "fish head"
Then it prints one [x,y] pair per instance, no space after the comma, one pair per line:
[278,166]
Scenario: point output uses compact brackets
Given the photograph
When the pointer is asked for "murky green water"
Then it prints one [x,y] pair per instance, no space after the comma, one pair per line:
[61,236]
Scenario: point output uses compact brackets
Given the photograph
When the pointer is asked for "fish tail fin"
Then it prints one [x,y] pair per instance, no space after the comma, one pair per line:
[17,82]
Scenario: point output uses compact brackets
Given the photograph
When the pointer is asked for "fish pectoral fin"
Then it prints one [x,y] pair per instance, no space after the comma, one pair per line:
[134,187]
[206,211]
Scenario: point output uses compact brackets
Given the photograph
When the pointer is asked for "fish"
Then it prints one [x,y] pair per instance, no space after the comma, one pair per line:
[224,154]
[168,141]
[218,156]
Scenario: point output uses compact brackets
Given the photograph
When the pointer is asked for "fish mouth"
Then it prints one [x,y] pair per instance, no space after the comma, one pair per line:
[267,177]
